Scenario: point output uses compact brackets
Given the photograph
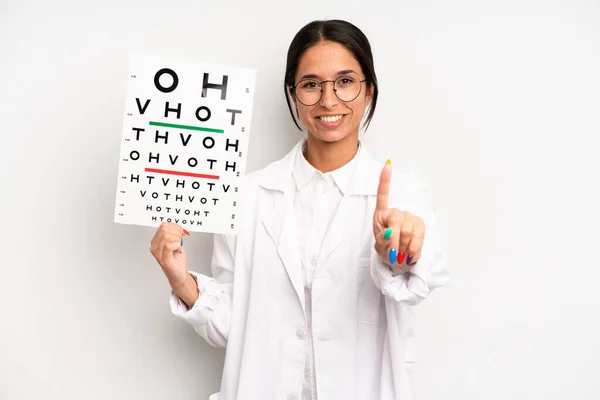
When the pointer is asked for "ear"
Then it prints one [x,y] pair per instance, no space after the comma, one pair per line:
[369,95]
[291,93]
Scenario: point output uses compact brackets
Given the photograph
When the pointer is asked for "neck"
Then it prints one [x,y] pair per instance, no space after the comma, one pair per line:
[329,156]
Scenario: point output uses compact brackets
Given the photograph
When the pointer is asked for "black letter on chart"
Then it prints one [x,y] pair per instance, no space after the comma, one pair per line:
[184,141]
[164,137]
[233,112]
[137,132]
[141,109]
[161,87]
[208,142]
[203,108]
[235,146]
[227,166]
[178,109]
[222,87]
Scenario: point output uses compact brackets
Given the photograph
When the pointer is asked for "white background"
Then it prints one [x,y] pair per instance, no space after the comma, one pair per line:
[496,103]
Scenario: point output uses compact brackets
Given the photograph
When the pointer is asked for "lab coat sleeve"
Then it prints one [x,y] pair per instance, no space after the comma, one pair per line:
[210,315]
[430,271]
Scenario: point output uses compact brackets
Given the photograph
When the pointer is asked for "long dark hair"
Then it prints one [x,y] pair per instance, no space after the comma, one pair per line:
[338,31]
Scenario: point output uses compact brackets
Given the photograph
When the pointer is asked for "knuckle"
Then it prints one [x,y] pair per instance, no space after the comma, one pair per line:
[415,247]
[395,218]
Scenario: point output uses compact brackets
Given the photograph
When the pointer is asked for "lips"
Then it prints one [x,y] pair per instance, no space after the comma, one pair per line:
[331,121]
[330,118]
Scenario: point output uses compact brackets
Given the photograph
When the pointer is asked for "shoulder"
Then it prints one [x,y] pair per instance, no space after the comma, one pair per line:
[273,176]
[255,177]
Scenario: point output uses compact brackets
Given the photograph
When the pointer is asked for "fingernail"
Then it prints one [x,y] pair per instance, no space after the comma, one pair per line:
[388,162]
[393,253]
[387,234]
[400,258]
[186,232]
[409,259]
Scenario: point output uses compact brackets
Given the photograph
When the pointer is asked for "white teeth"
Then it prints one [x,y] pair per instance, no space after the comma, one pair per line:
[331,118]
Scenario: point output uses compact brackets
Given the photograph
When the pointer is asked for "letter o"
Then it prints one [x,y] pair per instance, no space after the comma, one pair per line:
[161,87]
[209,139]
[207,113]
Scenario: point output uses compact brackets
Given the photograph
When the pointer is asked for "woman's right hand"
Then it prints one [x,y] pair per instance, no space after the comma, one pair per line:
[167,250]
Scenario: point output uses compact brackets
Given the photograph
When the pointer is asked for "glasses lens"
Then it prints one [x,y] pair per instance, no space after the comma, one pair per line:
[347,87]
[308,91]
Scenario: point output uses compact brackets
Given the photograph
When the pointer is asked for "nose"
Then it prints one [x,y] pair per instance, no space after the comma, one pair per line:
[329,98]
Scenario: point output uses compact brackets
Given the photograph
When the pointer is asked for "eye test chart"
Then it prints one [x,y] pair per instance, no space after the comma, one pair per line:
[184,144]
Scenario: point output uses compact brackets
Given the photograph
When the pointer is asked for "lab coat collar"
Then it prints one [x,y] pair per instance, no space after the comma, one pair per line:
[304,172]
[362,181]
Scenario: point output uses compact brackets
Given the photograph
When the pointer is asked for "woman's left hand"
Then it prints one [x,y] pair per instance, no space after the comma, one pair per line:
[398,234]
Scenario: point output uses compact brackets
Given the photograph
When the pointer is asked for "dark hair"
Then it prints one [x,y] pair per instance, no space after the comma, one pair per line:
[338,31]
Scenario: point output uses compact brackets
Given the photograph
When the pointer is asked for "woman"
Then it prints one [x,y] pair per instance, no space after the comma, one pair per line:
[315,296]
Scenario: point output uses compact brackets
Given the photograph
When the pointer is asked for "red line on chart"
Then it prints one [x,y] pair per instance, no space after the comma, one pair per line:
[164,171]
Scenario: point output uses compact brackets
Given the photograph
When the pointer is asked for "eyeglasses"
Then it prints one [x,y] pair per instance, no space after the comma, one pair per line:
[310,91]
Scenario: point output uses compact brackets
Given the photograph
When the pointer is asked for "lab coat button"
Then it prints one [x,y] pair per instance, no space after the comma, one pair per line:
[301,334]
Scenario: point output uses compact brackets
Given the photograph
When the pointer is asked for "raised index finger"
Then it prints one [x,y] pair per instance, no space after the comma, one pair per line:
[383,191]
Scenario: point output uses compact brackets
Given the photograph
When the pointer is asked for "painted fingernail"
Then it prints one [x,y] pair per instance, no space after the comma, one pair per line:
[393,253]
[400,258]
[388,162]
[387,234]
[186,232]
[409,259]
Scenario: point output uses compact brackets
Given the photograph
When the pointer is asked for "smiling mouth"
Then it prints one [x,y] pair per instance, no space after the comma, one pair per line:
[331,118]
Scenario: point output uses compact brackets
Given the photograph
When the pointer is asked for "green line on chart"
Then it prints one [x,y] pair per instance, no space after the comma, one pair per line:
[192,128]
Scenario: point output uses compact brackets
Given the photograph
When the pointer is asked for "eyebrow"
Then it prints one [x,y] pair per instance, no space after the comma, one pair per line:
[342,72]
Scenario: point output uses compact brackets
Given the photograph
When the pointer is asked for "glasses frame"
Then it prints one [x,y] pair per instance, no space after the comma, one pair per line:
[360,81]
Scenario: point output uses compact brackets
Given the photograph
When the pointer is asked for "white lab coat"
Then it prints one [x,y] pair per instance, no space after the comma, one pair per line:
[363,316]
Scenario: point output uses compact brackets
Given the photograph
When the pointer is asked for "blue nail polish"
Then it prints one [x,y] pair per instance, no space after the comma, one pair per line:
[393,255]
[409,259]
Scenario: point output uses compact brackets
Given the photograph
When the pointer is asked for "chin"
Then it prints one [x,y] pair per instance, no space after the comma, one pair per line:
[330,136]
